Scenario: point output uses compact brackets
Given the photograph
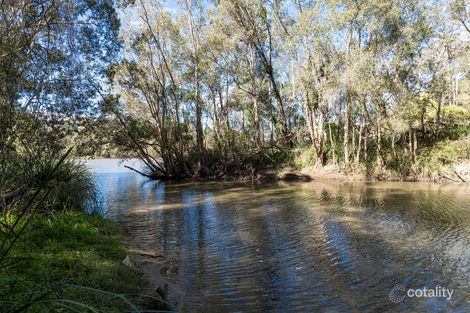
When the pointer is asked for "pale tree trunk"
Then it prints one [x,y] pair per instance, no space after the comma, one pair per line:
[361,130]
[353,140]
[379,146]
[310,117]
[365,144]
[438,116]
[222,119]
[273,119]
[199,130]
[347,104]
[319,131]
[215,115]
[315,128]
[346,132]
[197,84]
[332,143]
[410,143]
[254,97]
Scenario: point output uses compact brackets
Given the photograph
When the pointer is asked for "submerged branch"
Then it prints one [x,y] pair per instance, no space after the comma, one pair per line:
[139,172]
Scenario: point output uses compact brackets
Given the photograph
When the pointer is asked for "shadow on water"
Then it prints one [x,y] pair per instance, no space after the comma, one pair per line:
[330,247]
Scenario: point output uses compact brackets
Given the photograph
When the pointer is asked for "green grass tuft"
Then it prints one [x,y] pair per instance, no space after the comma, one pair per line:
[61,251]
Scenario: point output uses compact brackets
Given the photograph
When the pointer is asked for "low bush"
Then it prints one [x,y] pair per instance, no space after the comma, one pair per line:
[434,160]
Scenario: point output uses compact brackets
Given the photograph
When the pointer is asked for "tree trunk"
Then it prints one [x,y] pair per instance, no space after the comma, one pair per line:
[321,135]
[332,144]
[438,117]
[379,147]
[346,131]
[199,130]
[348,103]
[216,120]
[361,129]
[365,144]
[197,84]
[310,117]
[254,97]
[353,140]
[410,142]
[319,129]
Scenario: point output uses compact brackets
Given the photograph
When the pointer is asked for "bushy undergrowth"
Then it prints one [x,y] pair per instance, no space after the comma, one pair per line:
[304,157]
[433,162]
[70,186]
[437,159]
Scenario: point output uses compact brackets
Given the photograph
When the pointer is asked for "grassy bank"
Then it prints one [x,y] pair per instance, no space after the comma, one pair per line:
[72,261]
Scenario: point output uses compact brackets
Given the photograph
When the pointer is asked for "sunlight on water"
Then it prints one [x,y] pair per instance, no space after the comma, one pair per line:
[319,246]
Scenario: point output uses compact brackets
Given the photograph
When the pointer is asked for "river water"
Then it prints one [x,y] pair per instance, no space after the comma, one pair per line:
[302,247]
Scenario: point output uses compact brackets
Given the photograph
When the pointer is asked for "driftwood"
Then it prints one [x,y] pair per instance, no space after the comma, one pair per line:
[458,175]
[154,256]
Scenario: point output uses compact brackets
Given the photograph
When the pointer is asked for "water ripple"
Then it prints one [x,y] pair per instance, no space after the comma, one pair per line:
[328,247]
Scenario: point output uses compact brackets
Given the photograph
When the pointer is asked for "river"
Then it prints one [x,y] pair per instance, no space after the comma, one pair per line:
[302,247]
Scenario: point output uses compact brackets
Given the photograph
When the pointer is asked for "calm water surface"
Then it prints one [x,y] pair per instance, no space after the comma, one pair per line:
[310,247]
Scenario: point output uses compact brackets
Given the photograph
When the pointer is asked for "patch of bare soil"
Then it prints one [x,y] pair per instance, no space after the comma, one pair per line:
[327,173]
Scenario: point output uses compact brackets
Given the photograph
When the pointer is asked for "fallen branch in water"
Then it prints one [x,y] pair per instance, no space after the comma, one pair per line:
[154,256]
[139,172]
[458,175]
[449,178]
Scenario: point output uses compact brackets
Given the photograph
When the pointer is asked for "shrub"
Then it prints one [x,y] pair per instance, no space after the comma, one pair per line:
[306,156]
[445,153]
[73,186]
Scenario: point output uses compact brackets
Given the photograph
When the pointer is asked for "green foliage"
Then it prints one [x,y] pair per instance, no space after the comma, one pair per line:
[59,255]
[305,157]
[74,186]
[70,185]
[291,85]
[450,115]
[53,258]
[455,115]
[444,153]
[400,166]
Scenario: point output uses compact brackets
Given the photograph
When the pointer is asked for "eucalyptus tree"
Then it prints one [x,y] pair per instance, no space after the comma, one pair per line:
[195,22]
[254,22]
[152,89]
[313,34]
